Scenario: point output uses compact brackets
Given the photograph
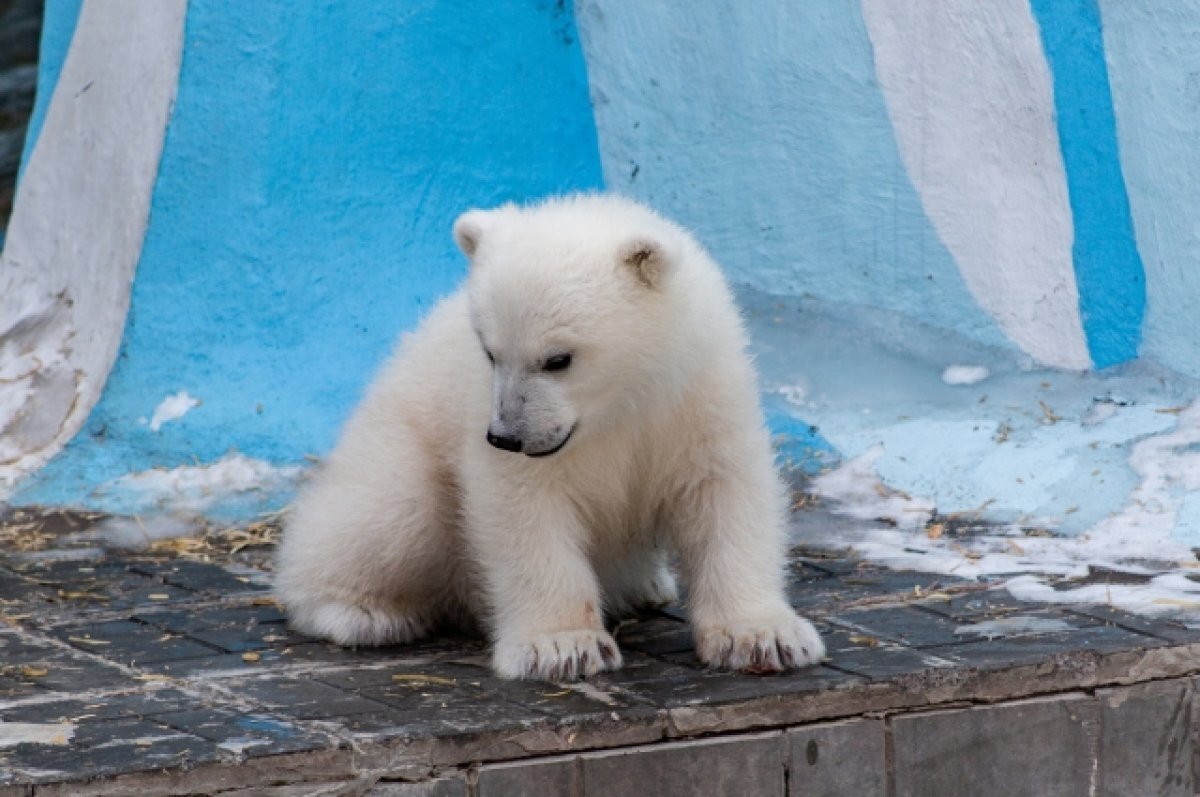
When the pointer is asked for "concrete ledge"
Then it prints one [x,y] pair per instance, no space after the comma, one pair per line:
[148,672]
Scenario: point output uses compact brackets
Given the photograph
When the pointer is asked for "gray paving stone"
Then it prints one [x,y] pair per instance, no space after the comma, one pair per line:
[1008,652]
[908,625]
[29,665]
[1147,740]
[109,747]
[540,776]
[131,643]
[442,787]
[1040,748]
[433,700]
[102,706]
[301,697]
[839,758]
[741,765]
[864,583]
[242,734]
[203,577]
[704,686]
[973,606]
[877,658]
[1161,627]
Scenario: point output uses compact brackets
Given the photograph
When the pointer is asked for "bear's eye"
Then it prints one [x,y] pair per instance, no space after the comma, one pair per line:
[559,362]
[488,354]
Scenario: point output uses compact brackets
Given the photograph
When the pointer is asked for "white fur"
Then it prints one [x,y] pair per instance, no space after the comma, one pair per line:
[416,520]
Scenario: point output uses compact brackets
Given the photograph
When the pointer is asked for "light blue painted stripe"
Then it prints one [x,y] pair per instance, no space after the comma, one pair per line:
[58,28]
[762,128]
[1108,266]
[303,211]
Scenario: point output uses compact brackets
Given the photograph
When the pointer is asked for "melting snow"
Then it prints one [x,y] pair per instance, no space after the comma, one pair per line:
[14,733]
[137,533]
[222,486]
[855,491]
[964,374]
[240,744]
[1053,472]
[1017,625]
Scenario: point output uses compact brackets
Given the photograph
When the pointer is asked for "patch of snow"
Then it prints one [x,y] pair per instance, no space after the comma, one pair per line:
[1016,625]
[1168,594]
[1143,537]
[1169,467]
[965,374]
[140,741]
[60,555]
[172,408]
[196,489]
[854,490]
[240,744]
[137,533]
[55,733]
[1035,474]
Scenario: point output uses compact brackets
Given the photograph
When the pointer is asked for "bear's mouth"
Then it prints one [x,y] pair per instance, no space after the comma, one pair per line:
[554,450]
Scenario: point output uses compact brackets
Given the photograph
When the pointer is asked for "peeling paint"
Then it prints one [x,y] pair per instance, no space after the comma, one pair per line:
[172,408]
[78,224]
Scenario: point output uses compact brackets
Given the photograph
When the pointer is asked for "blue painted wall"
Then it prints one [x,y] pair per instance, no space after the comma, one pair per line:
[302,213]
[1108,267]
[318,154]
[57,29]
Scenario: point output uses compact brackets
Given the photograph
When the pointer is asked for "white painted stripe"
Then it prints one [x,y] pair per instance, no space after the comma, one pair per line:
[77,227]
[970,97]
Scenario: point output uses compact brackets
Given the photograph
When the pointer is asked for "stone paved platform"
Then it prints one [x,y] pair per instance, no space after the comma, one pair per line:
[171,671]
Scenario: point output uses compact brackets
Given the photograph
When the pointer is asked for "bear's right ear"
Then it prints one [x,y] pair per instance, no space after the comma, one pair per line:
[468,231]
[646,258]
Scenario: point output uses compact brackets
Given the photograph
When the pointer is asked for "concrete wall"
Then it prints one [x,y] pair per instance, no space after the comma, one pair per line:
[1020,173]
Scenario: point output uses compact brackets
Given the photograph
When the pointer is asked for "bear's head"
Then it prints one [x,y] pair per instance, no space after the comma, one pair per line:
[573,304]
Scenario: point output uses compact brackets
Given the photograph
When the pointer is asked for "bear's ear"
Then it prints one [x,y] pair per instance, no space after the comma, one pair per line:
[646,259]
[468,231]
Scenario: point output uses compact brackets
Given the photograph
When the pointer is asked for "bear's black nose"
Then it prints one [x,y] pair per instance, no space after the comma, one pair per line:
[504,443]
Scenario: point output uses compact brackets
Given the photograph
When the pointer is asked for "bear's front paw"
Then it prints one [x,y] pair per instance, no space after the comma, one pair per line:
[760,644]
[556,656]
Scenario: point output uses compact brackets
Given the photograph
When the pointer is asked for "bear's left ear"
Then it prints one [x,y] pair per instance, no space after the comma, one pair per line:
[647,259]
[468,231]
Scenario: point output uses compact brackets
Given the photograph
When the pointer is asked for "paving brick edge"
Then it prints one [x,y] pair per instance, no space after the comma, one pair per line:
[350,767]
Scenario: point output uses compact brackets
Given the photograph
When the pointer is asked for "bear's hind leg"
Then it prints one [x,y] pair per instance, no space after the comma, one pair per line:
[358,624]
[369,557]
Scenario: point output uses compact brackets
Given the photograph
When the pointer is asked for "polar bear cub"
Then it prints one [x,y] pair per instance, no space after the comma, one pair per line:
[582,408]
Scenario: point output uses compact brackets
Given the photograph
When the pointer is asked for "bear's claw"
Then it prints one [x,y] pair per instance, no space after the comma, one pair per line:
[760,645]
[556,656]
